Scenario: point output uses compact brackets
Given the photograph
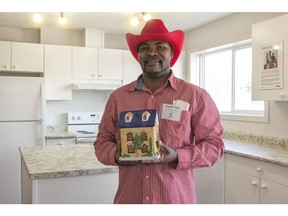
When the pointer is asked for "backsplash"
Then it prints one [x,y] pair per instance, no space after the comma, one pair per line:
[82,101]
[56,128]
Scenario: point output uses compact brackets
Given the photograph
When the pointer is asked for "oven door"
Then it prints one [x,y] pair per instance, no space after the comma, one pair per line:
[85,140]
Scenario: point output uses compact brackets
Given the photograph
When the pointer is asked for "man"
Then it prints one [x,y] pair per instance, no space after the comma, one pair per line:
[190,138]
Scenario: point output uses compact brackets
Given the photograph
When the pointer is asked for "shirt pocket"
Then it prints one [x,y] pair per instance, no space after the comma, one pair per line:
[173,133]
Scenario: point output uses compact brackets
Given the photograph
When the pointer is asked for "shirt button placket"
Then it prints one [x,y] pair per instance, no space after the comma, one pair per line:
[147,178]
[151,102]
[146,185]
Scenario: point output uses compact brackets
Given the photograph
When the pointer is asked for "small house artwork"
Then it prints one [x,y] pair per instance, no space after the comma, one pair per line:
[139,131]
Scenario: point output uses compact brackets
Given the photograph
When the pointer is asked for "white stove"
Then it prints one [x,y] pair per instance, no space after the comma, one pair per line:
[84,125]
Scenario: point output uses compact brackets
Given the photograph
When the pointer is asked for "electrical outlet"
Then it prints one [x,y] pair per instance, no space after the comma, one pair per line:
[49,120]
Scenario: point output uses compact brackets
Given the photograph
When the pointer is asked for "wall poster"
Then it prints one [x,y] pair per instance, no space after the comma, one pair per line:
[272,66]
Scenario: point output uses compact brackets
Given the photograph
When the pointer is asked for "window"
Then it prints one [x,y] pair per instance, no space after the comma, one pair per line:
[226,72]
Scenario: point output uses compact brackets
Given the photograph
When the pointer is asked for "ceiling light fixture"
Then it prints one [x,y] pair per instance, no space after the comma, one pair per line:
[37,17]
[62,19]
[140,17]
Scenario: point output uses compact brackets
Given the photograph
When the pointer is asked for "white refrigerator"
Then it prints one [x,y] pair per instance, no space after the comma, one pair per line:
[22,106]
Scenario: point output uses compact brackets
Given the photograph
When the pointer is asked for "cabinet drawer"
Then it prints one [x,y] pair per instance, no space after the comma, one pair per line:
[260,169]
[66,141]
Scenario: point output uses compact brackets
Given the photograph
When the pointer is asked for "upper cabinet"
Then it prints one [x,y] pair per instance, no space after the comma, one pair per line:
[5,53]
[84,63]
[110,64]
[270,65]
[97,63]
[58,61]
[132,69]
[21,57]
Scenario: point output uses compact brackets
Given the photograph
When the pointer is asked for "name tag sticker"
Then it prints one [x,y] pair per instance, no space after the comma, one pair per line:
[183,104]
[171,112]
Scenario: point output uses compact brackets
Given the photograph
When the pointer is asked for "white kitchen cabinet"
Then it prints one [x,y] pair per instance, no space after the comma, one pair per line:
[82,189]
[5,53]
[241,188]
[58,67]
[110,64]
[84,63]
[209,183]
[21,57]
[250,181]
[269,79]
[61,141]
[132,68]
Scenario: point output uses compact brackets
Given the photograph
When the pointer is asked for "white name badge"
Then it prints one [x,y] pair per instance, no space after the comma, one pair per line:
[183,104]
[171,112]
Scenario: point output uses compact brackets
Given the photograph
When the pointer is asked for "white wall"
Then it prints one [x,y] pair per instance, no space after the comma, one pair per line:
[233,28]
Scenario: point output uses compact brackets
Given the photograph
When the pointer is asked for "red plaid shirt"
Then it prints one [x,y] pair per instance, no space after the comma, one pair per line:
[197,138]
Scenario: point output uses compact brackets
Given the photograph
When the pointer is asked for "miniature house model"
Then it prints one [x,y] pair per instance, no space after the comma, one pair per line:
[139,134]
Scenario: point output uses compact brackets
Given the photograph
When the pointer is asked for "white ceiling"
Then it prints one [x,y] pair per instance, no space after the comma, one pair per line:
[110,22]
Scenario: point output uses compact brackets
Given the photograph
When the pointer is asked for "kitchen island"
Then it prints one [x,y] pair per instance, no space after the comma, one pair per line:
[66,174]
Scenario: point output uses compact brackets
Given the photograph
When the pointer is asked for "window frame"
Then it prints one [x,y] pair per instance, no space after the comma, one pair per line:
[198,79]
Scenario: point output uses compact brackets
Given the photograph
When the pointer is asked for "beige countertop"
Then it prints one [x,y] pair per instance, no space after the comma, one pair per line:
[60,135]
[62,161]
[75,160]
[269,152]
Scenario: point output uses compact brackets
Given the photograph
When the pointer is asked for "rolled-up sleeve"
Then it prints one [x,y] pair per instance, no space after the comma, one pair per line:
[106,142]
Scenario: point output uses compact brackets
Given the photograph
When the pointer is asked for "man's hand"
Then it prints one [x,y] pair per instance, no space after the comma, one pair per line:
[167,155]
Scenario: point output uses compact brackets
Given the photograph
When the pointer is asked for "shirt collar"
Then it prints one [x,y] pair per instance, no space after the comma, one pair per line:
[139,83]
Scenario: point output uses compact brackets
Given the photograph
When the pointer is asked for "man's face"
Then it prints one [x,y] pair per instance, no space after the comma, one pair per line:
[154,58]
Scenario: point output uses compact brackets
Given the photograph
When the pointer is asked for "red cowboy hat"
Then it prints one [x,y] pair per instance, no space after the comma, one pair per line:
[155,30]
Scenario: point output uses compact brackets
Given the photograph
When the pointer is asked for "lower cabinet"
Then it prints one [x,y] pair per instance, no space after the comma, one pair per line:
[210,183]
[82,189]
[250,181]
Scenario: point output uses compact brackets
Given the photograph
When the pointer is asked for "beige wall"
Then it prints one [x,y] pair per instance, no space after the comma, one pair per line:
[233,28]
[19,35]
[58,37]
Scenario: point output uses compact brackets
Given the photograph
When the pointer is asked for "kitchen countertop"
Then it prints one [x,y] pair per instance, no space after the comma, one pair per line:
[76,160]
[269,152]
[60,135]
[62,161]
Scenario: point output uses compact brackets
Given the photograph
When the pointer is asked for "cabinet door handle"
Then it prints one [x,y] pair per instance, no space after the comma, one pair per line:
[254,183]
[263,186]
[259,169]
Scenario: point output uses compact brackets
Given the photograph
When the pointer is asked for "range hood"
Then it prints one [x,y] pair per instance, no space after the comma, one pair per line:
[96,84]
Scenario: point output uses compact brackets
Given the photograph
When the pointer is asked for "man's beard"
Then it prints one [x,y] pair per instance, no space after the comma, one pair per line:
[157,72]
